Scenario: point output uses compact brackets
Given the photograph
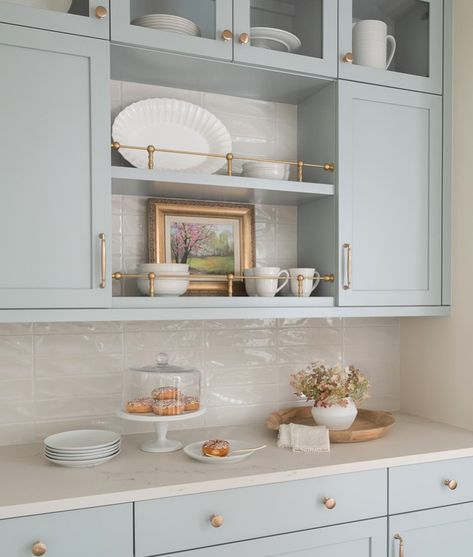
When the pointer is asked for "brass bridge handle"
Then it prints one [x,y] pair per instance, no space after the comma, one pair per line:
[244,38]
[103,260]
[216,520]
[348,266]
[227,35]
[101,12]
[401,544]
[451,484]
[38,549]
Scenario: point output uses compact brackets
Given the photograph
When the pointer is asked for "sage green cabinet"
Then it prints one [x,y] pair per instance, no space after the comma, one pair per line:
[55,186]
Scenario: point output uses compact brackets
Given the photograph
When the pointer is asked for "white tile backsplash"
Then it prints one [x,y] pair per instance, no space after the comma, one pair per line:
[58,376]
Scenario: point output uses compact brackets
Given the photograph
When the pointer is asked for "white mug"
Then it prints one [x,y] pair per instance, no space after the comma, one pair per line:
[309,284]
[268,287]
[370,40]
[250,285]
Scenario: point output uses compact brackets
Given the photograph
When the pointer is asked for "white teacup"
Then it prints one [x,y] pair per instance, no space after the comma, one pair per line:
[250,285]
[268,287]
[309,284]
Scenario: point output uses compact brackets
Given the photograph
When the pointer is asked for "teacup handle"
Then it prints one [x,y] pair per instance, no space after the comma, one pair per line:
[392,42]
[316,281]
[281,274]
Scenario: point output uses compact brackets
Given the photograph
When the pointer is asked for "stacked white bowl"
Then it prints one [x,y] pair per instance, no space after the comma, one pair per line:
[172,279]
[267,170]
[170,23]
[81,448]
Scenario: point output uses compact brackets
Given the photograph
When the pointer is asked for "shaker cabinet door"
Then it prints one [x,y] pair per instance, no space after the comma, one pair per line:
[55,161]
[390,197]
[433,533]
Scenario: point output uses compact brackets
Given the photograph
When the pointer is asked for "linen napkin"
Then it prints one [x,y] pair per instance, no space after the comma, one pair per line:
[304,438]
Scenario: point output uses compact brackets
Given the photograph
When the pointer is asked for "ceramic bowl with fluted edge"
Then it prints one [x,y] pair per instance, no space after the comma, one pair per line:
[165,286]
[53,5]
[265,170]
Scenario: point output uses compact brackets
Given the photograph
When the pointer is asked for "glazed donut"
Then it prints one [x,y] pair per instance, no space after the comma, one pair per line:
[140,405]
[191,403]
[216,447]
[166,393]
[168,407]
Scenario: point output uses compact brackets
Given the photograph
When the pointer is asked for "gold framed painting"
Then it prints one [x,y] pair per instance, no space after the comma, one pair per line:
[214,239]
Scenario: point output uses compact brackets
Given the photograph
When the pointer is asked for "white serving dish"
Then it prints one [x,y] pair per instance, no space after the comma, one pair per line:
[172,124]
[274,39]
[164,286]
[194,450]
[169,23]
[271,171]
[81,439]
[53,5]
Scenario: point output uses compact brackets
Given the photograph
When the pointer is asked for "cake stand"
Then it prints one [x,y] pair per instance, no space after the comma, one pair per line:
[161,444]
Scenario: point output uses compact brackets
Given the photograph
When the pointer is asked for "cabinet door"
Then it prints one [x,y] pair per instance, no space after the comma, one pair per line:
[357,539]
[212,17]
[77,17]
[433,533]
[264,28]
[390,196]
[417,27]
[55,164]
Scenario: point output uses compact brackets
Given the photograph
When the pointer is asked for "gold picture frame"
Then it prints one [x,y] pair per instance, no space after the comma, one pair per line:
[226,244]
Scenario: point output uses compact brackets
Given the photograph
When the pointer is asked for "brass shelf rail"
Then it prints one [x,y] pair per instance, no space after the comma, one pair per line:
[230,279]
[230,157]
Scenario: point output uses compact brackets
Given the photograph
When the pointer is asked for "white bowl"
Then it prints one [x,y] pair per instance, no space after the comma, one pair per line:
[271,171]
[53,5]
[164,286]
[169,268]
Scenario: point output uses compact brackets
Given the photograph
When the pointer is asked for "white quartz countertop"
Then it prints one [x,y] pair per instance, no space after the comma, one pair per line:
[31,485]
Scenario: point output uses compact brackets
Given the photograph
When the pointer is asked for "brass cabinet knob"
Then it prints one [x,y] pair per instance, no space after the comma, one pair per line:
[330,503]
[348,57]
[227,35]
[38,549]
[451,484]
[244,38]
[216,520]
[101,12]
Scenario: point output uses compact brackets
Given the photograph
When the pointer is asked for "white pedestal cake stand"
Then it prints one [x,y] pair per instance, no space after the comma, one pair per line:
[161,443]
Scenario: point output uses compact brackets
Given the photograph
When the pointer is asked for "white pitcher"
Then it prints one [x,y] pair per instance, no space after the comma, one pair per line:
[370,41]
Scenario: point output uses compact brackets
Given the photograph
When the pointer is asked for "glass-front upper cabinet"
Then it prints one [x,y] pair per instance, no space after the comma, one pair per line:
[76,17]
[196,27]
[398,43]
[295,35]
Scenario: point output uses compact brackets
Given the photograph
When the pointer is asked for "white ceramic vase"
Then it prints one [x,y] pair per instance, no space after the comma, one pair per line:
[336,417]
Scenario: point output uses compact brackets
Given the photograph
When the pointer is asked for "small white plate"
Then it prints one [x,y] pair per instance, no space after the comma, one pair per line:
[83,455]
[81,463]
[82,439]
[81,458]
[194,450]
[280,36]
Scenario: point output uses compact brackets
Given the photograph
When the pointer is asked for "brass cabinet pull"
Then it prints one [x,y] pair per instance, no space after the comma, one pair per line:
[101,12]
[348,266]
[216,520]
[38,549]
[244,38]
[330,503]
[348,57]
[451,484]
[103,260]
[401,544]
[227,35]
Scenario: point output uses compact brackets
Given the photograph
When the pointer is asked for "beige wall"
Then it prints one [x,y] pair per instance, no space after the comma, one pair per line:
[437,353]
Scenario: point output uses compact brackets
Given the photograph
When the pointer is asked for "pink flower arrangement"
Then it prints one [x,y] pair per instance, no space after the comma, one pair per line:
[329,386]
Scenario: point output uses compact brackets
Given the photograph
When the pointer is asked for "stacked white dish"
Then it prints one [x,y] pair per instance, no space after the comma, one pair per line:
[169,23]
[268,170]
[81,448]
[172,279]
[274,39]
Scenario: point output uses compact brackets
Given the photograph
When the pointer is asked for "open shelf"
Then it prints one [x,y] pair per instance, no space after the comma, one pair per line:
[215,187]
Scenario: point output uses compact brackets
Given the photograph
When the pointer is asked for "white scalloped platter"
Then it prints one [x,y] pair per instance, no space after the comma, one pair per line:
[172,124]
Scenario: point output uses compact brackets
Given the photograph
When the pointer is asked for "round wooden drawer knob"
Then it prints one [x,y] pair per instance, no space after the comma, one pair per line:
[38,549]
[101,12]
[451,484]
[216,520]
[330,503]
[244,38]
[227,35]
[348,57]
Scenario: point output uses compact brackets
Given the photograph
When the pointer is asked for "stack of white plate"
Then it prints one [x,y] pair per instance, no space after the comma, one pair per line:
[274,39]
[80,448]
[170,23]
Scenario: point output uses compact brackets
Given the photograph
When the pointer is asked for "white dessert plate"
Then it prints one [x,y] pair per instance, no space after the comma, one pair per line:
[53,5]
[172,124]
[81,439]
[81,457]
[81,463]
[168,23]
[75,454]
[194,450]
[276,36]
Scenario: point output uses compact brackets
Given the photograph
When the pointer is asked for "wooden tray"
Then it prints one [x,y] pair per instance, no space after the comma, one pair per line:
[368,425]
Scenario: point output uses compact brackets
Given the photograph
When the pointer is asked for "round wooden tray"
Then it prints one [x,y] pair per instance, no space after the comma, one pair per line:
[368,425]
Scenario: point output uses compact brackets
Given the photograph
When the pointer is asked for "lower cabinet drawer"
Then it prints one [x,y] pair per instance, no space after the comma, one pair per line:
[100,532]
[434,484]
[193,521]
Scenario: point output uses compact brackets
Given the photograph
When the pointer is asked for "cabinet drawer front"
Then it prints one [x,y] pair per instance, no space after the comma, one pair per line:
[179,523]
[423,486]
[101,532]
